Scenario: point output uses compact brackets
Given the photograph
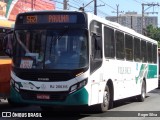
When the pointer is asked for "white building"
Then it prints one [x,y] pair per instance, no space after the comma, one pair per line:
[134,20]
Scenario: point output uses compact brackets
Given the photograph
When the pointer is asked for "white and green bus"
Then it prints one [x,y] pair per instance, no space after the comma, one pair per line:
[73,58]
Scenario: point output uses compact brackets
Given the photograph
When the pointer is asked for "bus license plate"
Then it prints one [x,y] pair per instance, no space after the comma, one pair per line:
[43,96]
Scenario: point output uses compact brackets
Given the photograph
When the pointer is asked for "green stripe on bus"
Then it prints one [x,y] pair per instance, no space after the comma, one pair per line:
[147,71]
[152,71]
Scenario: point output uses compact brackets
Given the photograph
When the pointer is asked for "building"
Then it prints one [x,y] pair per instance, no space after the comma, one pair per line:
[10,8]
[2,8]
[134,20]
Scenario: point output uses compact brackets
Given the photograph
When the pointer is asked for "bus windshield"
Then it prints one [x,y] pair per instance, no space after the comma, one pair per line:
[51,49]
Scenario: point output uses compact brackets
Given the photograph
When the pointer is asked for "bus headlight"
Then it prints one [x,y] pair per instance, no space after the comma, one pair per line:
[82,83]
[12,82]
[16,87]
[78,86]
[73,88]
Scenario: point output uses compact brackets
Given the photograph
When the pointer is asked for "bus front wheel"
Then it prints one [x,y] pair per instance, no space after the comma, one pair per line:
[107,100]
[14,104]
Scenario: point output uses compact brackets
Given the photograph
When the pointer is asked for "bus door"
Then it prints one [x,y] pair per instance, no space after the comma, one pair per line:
[96,70]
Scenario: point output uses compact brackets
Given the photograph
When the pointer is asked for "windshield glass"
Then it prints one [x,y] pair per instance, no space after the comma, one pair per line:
[51,49]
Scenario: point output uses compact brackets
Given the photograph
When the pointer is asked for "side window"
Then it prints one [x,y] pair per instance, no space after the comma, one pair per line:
[149,51]
[154,53]
[109,43]
[2,36]
[96,45]
[143,51]
[129,47]
[137,52]
[119,45]
[6,45]
[1,47]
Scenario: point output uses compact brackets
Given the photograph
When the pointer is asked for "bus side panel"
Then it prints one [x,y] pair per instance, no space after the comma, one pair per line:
[111,69]
[94,80]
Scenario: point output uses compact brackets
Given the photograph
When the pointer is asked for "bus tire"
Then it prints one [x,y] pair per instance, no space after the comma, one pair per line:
[107,100]
[47,108]
[14,104]
[142,96]
[10,102]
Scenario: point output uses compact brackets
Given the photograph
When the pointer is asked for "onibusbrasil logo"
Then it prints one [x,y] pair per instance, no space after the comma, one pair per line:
[18,114]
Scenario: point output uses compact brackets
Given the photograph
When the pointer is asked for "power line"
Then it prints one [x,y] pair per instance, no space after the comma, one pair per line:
[73,6]
[149,5]
[118,12]
[58,2]
[78,2]
[142,1]
[103,13]
[107,5]
[89,7]
[137,1]
[75,3]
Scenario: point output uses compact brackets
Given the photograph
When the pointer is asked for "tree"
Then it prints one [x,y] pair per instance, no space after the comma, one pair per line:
[154,33]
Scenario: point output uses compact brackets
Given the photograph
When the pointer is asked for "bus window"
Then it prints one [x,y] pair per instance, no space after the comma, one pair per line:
[137,52]
[96,45]
[7,44]
[155,53]
[2,34]
[143,51]
[109,42]
[1,48]
[129,47]
[119,45]
[149,51]
[50,49]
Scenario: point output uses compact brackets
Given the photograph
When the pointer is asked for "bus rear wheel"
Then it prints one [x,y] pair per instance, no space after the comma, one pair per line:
[142,96]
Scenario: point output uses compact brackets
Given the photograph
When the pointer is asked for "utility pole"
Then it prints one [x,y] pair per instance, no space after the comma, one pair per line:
[82,8]
[117,12]
[65,4]
[143,11]
[131,22]
[95,7]
[32,5]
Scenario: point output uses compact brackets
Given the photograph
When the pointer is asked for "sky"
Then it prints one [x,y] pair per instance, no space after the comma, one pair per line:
[109,7]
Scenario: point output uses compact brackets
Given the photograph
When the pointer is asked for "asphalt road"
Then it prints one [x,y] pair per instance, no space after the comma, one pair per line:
[128,109]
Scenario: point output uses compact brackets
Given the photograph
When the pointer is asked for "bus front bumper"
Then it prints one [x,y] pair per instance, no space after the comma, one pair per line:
[79,97]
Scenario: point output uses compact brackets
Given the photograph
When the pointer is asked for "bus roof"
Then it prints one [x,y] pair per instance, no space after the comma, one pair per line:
[6,23]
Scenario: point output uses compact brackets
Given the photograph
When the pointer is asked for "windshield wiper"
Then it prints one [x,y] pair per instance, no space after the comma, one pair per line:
[58,37]
[21,44]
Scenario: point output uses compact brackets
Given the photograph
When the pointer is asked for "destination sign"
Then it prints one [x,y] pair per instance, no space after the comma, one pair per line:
[35,19]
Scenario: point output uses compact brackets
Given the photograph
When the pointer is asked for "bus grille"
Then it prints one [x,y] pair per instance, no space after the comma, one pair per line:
[49,76]
[54,96]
